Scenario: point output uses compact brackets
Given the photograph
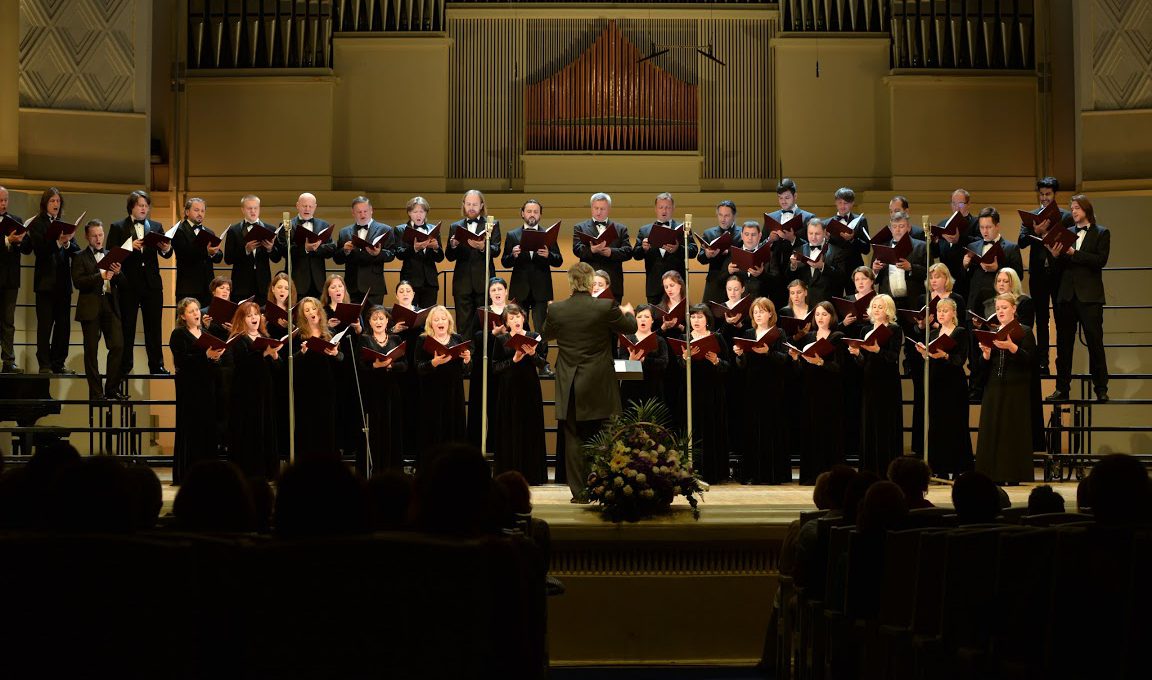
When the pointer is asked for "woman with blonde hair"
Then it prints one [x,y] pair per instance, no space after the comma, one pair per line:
[197,373]
[443,376]
[949,442]
[882,416]
[315,383]
[253,435]
[765,456]
[1004,446]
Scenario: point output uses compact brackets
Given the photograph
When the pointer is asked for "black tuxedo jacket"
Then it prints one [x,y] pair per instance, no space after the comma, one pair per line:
[53,264]
[10,259]
[1040,260]
[141,270]
[531,274]
[855,248]
[614,263]
[419,266]
[825,283]
[468,275]
[90,284]
[251,272]
[916,278]
[364,273]
[1081,274]
[982,284]
[717,266]
[656,264]
[308,267]
[194,270]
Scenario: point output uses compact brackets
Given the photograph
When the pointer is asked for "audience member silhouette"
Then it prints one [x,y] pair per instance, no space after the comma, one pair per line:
[93,496]
[214,497]
[147,496]
[1120,492]
[884,507]
[321,497]
[854,494]
[912,475]
[976,498]
[1044,500]
[455,495]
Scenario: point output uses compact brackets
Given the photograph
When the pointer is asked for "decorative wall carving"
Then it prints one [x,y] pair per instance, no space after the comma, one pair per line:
[1121,54]
[77,54]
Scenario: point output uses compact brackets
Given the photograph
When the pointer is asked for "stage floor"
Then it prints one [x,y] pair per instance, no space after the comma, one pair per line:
[751,504]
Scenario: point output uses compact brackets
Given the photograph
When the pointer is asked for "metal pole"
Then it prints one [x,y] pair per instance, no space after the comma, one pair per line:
[687,328]
[288,342]
[927,225]
[489,223]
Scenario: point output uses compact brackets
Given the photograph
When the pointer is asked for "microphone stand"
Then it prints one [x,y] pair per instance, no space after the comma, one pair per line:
[687,332]
[360,401]
[291,355]
[927,226]
[489,223]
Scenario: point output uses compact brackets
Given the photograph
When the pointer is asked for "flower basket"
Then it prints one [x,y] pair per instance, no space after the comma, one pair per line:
[638,466]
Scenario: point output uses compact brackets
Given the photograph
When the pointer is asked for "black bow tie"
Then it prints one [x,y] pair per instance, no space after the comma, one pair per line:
[660,224]
[249,225]
[989,243]
[472,223]
[139,222]
[787,212]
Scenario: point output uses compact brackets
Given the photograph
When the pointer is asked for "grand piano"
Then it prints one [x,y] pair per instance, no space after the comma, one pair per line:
[25,399]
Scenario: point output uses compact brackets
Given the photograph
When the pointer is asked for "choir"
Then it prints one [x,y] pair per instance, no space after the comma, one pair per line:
[807,331]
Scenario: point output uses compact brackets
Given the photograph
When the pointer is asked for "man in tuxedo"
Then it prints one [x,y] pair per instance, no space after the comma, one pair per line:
[1043,278]
[140,287]
[904,282]
[717,259]
[900,202]
[826,277]
[14,245]
[951,249]
[469,278]
[858,245]
[251,272]
[97,310]
[658,260]
[52,283]
[308,256]
[981,277]
[1080,299]
[531,284]
[607,256]
[758,281]
[784,242]
[587,391]
[194,255]
[420,258]
[364,264]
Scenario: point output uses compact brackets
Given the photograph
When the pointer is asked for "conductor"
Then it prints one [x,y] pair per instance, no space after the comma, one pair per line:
[586,389]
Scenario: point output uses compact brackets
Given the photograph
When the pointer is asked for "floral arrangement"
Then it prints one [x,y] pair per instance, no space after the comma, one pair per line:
[639,466]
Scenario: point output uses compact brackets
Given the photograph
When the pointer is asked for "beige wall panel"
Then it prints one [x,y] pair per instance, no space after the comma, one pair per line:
[259,127]
[10,84]
[84,146]
[624,171]
[938,123]
[1117,145]
[390,120]
[833,125]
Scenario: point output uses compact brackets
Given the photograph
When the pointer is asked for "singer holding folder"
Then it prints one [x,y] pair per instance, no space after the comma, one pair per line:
[418,247]
[882,419]
[519,431]
[709,399]
[349,413]
[765,456]
[315,375]
[253,403]
[409,379]
[441,413]
[650,349]
[197,371]
[1004,446]
[52,282]
[822,387]
[586,387]
[949,442]
[381,377]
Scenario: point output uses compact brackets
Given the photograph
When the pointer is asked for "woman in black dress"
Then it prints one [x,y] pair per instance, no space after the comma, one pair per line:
[382,392]
[409,379]
[221,287]
[731,326]
[282,294]
[882,420]
[797,307]
[940,284]
[765,457]
[196,376]
[519,442]
[654,362]
[949,441]
[823,391]
[314,377]
[1004,447]
[349,410]
[498,301]
[253,404]
[709,403]
[852,326]
[674,388]
[442,409]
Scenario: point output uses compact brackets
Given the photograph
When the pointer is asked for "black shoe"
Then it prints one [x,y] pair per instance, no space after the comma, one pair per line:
[1045,371]
[45,371]
[1102,396]
[12,368]
[119,395]
[64,370]
[975,394]
[160,371]
[546,372]
[1058,395]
